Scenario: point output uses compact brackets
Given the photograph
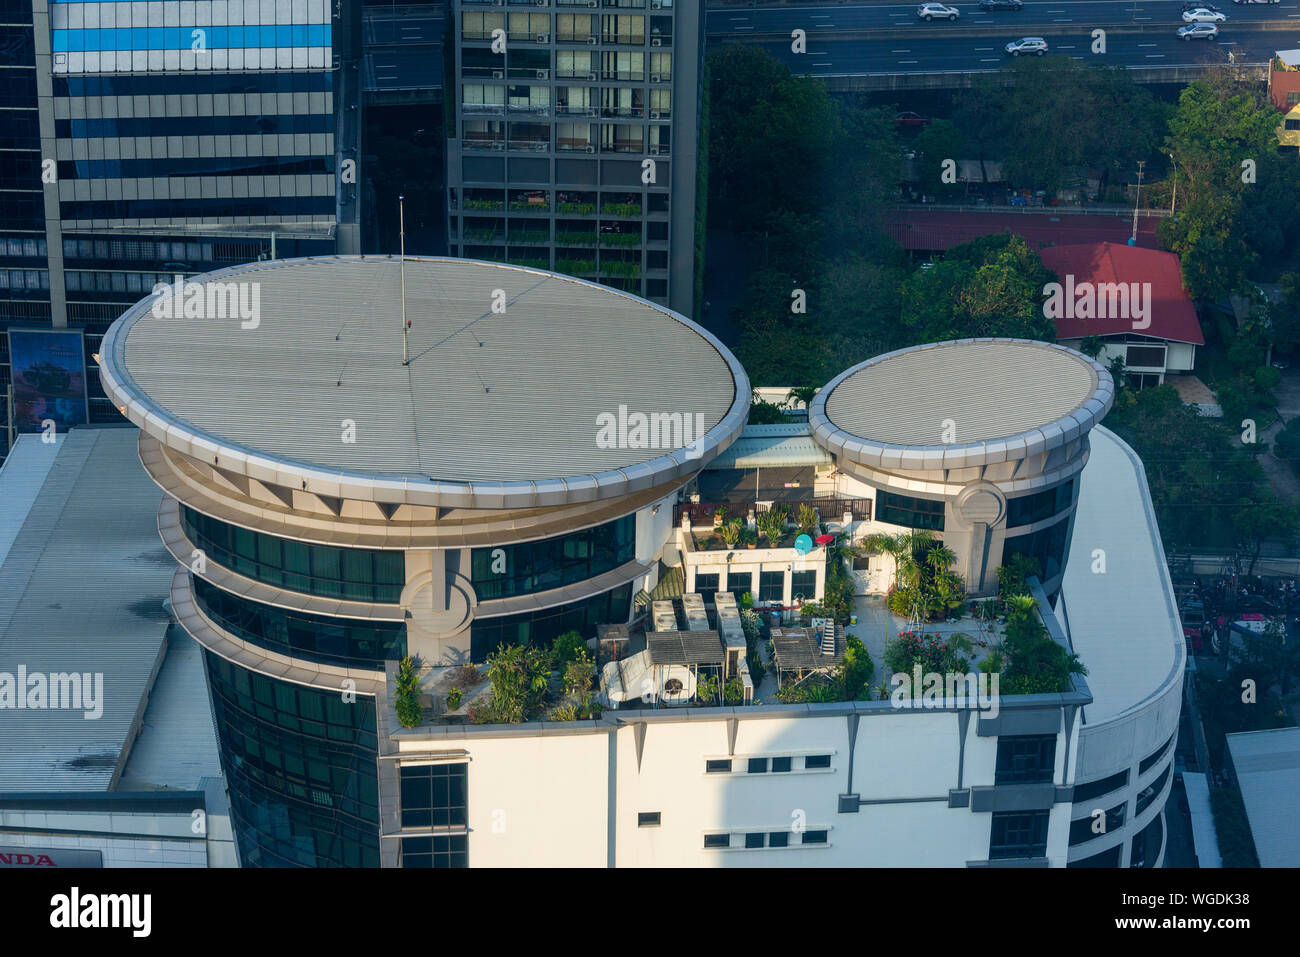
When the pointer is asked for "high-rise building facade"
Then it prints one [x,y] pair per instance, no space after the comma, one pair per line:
[575,139]
[151,138]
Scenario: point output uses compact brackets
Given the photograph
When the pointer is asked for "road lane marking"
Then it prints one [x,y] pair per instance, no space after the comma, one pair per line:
[901,62]
[988,60]
[900,51]
[1155,56]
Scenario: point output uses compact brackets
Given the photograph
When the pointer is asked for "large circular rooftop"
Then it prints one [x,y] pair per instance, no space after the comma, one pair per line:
[961,403]
[508,406]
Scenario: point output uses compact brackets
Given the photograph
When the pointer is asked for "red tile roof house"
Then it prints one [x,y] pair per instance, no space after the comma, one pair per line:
[1133,299]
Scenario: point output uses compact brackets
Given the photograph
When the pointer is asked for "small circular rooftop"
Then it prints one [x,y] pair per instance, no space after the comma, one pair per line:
[514,379]
[961,403]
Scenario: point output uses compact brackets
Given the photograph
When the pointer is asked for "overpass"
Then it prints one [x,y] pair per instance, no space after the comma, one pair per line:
[884,46]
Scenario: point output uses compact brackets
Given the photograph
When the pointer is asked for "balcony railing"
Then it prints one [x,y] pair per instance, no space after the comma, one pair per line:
[829,509]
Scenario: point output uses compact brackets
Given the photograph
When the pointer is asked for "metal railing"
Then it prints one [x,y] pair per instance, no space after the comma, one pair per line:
[828,509]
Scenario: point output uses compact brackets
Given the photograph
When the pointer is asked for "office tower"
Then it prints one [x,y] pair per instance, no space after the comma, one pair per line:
[575,138]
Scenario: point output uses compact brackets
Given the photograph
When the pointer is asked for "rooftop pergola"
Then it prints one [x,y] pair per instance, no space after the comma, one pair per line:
[797,653]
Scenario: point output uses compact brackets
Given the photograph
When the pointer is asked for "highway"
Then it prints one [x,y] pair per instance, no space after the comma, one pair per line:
[887,38]
[738,21]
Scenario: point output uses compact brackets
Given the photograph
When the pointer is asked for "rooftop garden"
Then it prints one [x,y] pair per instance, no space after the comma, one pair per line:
[778,527]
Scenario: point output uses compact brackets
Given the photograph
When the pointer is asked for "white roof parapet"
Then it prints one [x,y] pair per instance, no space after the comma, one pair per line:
[495,410]
[1000,399]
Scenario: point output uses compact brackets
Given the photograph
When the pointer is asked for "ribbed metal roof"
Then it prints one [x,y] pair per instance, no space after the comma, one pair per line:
[488,399]
[82,591]
[960,403]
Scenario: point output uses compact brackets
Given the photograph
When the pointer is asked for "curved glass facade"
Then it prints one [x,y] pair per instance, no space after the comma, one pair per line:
[331,641]
[552,562]
[543,627]
[1047,545]
[352,574]
[909,511]
[300,766]
[1040,506]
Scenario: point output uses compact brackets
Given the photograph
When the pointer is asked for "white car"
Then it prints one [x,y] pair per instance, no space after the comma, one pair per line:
[1027,45]
[1255,1]
[930,11]
[1201,15]
[1206,31]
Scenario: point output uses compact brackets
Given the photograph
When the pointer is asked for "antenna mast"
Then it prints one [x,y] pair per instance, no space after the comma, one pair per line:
[401,213]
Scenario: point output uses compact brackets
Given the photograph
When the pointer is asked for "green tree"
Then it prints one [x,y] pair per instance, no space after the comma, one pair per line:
[939,141]
[992,286]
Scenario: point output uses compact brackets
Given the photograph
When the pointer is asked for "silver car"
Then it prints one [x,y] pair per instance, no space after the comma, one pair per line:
[1035,45]
[1201,31]
[936,11]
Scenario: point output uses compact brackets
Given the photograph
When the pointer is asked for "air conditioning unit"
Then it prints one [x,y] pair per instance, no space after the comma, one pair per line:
[546,75]
[543,37]
[591,78]
[498,3]
[654,151]
[592,149]
[656,78]
[501,75]
[591,41]
[502,146]
[592,4]
[543,3]
[656,5]
[654,115]
[656,42]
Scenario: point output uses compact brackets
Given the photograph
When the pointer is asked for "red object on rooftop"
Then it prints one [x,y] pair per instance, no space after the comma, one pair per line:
[824,539]
[1172,314]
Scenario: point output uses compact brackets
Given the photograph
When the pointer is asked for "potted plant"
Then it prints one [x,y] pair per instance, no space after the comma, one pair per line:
[453,699]
[749,536]
[731,533]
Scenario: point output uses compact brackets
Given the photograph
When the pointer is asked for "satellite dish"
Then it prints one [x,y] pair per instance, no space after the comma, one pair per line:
[803,544]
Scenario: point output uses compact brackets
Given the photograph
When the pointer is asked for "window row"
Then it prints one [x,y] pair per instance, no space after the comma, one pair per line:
[1040,506]
[544,626]
[195,125]
[589,65]
[625,29]
[754,840]
[24,247]
[319,206]
[783,764]
[571,137]
[281,36]
[18,280]
[216,84]
[608,101]
[181,253]
[352,574]
[552,562]
[909,511]
[348,642]
[195,166]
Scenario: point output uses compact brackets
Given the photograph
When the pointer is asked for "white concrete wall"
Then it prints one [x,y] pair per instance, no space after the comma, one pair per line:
[543,800]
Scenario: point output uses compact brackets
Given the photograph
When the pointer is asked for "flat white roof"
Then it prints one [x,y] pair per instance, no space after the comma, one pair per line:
[510,371]
[1267,764]
[82,591]
[960,403]
[1124,622]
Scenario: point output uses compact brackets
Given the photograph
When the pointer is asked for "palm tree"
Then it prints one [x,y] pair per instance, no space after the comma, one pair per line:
[801,393]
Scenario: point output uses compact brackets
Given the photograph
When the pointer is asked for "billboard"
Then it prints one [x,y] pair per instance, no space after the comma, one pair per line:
[13,857]
[48,371]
